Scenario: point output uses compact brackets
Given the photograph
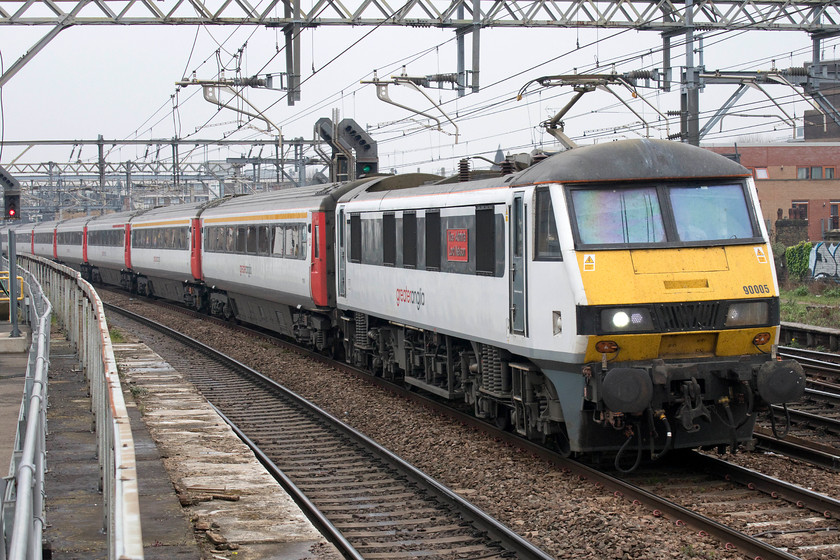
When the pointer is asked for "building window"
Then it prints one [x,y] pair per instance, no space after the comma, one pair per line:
[835,215]
[799,210]
[815,172]
[761,173]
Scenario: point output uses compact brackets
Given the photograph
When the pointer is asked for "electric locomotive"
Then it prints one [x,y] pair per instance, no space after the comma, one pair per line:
[614,297]
[617,296]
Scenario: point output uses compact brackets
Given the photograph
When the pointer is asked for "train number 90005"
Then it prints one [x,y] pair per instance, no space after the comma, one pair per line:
[756,289]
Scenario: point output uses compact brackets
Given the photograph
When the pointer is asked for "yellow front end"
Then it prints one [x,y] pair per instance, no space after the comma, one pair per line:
[702,274]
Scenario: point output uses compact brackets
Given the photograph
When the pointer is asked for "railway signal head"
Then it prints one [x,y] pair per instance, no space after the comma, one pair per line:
[12,204]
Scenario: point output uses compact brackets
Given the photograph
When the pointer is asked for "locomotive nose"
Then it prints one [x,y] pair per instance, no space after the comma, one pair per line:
[627,390]
[780,382]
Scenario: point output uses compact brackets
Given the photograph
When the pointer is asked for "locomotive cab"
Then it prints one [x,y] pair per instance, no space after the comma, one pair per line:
[680,310]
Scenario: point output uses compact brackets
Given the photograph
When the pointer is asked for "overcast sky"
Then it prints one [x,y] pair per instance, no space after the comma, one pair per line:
[119,82]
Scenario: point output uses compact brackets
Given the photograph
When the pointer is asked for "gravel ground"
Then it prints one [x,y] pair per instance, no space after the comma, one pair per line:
[564,516]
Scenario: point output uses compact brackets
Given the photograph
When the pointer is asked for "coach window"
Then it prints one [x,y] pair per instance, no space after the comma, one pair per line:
[279,241]
[292,242]
[485,241]
[251,245]
[547,245]
[211,239]
[303,231]
[355,238]
[241,239]
[263,240]
[230,239]
[432,240]
[409,221]
[389,239]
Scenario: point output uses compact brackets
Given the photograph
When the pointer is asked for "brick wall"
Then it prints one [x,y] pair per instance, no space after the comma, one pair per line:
[782,189]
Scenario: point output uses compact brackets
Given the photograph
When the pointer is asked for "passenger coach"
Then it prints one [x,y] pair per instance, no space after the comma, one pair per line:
[108,255]
[267,260]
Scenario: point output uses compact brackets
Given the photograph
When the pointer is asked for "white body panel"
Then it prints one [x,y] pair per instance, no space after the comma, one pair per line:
[170,264]
[112,256]
[71,254]
[277,277]
[470,306]
[43,248]
[264,277]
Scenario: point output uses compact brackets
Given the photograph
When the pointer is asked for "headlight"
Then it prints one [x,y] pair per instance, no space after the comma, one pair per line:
[628,319]
[746,314]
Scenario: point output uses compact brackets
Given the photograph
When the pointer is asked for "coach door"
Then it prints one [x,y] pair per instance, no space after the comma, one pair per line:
[342,254]
[518,273]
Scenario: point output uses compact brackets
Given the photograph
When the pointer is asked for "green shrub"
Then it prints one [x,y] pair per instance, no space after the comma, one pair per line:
[797,258]
[801,291]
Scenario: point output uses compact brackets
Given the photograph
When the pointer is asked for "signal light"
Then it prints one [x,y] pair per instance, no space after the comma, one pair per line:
[12,202]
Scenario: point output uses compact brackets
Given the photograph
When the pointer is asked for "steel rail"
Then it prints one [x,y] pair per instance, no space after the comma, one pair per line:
[798,448]
[771,486]
[660,507]
[497,530]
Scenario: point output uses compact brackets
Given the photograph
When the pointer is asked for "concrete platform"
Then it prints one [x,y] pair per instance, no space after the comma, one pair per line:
[202,492]
[12,373]
[236,507]
[74,502]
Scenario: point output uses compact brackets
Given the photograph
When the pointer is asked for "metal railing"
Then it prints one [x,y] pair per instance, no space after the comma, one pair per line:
[78,308]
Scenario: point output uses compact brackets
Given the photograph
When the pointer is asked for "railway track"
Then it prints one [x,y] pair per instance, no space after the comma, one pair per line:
[796,510]
[814,434]
[371,504]
[797,521]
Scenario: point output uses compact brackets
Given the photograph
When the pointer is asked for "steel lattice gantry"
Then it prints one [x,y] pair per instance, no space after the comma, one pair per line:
[819,17]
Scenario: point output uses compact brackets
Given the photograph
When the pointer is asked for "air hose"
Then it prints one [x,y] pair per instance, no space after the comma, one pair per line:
[669,436]
[787,422]
[624,448]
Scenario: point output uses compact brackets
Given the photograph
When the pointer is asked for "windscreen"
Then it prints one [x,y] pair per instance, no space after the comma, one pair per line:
[662,214]
[711,213]
[618,216]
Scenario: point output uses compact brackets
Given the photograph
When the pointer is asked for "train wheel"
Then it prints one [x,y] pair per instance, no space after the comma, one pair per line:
[503,418]
[558,442]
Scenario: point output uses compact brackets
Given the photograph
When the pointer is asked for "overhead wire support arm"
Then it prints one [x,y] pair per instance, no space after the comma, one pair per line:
[211,89]
[584,83]
[412,82]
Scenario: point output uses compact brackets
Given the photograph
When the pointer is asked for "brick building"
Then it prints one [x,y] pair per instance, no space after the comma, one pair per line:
[797,181]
